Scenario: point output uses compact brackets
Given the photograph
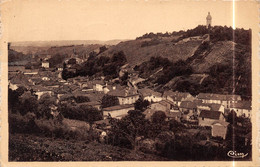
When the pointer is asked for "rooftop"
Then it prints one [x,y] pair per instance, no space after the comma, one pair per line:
[210,114]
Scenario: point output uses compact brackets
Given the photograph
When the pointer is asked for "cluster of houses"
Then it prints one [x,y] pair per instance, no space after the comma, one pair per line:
[206,108]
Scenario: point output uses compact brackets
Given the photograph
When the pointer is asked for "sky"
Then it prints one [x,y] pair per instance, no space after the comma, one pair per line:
[46,20]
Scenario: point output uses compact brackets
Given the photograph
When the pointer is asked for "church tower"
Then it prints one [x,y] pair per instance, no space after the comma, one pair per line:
[209,19]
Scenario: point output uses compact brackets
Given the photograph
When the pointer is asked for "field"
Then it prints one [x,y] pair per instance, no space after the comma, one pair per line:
[24,147]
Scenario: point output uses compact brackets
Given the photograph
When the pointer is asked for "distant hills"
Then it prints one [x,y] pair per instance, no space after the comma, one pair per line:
[37,46]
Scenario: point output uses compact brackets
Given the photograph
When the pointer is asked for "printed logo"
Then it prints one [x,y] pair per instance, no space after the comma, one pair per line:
[234,154]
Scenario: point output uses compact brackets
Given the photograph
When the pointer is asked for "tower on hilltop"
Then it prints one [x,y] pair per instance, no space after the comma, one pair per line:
[208,20]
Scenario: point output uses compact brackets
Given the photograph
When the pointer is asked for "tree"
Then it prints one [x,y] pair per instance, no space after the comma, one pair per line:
[46,103]
[124,132]
[141,104]
[108,101]
[232,117]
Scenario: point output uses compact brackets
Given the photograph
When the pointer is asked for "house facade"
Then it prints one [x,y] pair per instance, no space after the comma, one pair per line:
[242,108]
[219,129]
[118,111]
[207,118]
[177,97]
[150,95]
[225,100]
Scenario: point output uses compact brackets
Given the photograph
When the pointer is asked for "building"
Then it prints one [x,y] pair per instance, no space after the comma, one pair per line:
[150,95]
[210,107]
[118,111]
[177,97]
[125,96]
[207,118]
[242,108]
[39,91]
[188,109]
[208,20]
[98,85]
[164,105]
[45,64]
[219,129]
[225,100]
[15,69]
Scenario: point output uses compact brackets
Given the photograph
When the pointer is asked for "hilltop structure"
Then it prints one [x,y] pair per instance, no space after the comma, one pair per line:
[208,20]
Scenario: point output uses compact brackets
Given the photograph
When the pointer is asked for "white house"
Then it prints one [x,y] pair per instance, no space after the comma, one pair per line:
[150,95]
[45,64]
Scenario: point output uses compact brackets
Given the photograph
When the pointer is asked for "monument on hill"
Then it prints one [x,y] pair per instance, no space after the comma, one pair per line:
[209,19]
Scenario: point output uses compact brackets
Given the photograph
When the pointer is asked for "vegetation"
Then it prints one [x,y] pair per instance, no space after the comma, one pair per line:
[108,101]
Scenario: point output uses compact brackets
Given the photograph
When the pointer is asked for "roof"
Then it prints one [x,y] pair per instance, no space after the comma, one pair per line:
[16,68]
[242,105]
[212,96]
[212,106]
[210,114]
[165,102]
[223,123]
[39,88]
[188,104]
[123,92]
[173,114]
[118,107]
[176,96]
[100,82]
[148,92]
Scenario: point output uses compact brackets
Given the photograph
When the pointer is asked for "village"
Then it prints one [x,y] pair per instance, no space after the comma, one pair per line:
[205,109]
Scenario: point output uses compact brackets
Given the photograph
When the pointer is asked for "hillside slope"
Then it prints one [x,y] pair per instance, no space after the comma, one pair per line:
[140,50]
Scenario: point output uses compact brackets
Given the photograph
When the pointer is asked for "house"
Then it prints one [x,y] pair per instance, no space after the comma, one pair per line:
[242,108]
[19,80]
[177,97]
[211,107]
[225,100]
[125,96]
[188,109]
[39,91]
[150,95]
[45,64]
[174,115]
[15,69]
[207,118]
[219,129]
[118,111]
[31,72]
[59,67]
[164,105]
[98,85]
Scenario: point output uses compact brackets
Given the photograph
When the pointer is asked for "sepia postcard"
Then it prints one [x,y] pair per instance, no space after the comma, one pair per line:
[129,83]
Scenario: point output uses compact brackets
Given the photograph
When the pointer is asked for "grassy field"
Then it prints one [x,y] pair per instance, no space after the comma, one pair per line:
[24,147]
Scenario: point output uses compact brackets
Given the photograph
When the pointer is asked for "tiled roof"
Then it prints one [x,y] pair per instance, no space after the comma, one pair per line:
[210,114]
[118,107]
[176,96]
[148,92]
[188,104]
[242,105]
[123,92]
[165,102]
[173,114]
[211,96]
